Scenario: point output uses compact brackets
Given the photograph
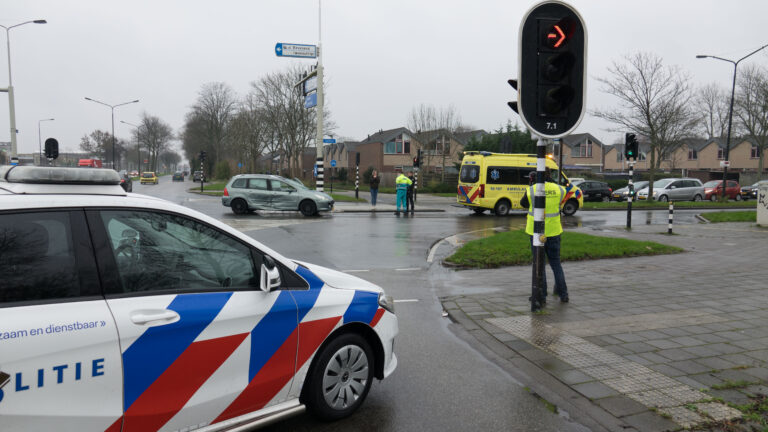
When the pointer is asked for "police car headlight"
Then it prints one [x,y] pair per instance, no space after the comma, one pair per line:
[387,302]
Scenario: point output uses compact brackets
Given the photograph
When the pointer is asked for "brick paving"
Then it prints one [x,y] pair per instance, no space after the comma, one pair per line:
[662,343]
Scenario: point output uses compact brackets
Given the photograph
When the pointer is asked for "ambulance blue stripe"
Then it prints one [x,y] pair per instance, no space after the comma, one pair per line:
[363,307]
[158,347]
[281,320]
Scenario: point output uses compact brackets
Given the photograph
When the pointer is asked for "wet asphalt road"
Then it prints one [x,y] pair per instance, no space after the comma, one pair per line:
[441,384]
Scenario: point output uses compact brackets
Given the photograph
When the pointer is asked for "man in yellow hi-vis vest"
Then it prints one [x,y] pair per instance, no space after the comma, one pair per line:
[552,230]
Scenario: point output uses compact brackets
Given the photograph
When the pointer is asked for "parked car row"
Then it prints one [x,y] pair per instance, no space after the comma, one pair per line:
[594,190]
[749,192]
[674,189]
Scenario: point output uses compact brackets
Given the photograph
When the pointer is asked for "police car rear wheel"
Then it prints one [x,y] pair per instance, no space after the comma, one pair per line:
[341,378]
[501,208]
[570,207]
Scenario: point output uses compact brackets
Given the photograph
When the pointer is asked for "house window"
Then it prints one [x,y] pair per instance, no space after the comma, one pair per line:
[619,156]
[720,153]
[666,156]
[641,156]
[401,145]
[693,154]
[582,150]
[754,152]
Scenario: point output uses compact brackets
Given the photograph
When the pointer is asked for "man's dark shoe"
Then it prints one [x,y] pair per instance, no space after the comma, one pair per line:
[564,299]
[397,213]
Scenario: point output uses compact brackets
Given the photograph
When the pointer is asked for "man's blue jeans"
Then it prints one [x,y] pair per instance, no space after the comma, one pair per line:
[374,194]
[552,250]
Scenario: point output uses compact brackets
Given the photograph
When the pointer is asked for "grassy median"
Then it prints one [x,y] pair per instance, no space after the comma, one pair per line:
[731,216]
[513,248]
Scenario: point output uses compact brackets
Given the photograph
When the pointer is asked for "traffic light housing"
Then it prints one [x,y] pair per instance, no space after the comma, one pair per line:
[202,155]
[630,146]
[552,69]
[51,148]
[417,159]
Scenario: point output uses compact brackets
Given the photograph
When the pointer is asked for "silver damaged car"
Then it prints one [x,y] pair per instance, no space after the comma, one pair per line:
[251,192]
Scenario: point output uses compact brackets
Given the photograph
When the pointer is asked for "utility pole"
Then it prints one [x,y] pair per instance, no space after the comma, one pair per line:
[320,99]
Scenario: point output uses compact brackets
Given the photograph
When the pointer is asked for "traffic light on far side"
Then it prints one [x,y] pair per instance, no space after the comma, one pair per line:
[630,146]
[51,148]
[552,69]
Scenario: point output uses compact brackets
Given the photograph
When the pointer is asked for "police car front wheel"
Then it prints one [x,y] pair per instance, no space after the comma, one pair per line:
[341,378]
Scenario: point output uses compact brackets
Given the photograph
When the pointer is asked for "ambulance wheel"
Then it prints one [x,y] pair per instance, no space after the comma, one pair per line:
[570,207]
[478,211]
[340,379]
[501,208]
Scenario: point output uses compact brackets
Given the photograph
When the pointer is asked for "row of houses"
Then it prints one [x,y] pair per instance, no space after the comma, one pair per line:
[394,151]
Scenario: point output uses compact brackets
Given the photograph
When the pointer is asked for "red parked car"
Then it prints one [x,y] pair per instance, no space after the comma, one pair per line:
[713,190]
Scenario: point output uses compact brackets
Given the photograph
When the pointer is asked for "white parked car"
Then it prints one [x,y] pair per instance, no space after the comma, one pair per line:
[123,312]
[674,189]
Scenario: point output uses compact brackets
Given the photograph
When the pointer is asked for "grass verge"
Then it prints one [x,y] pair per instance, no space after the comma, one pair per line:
[731,216]
[513,248]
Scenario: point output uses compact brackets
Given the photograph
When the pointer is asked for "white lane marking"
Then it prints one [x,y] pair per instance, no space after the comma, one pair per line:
[406,301]
[408,269]
[354,271]
[431,256]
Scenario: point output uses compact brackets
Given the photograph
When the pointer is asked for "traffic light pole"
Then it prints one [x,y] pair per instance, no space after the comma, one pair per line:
[631,188]
[320,102]
[539,205]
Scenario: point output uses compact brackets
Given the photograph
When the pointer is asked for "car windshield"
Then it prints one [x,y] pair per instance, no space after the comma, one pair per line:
[661,183]
[296,183]
[712,183]
[641,185]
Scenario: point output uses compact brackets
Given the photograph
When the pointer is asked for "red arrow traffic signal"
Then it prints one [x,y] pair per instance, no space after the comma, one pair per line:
[557,37]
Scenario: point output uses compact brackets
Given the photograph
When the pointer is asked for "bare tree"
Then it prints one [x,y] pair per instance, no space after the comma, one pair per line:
[423,122]
[654,102]
[214,110]
[712,101]
[170,159]
[449,122]
[286,118]
[154,135]
[249,133]
[99,145]
[751,108]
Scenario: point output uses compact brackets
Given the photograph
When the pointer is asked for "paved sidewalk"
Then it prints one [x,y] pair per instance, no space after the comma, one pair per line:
[659,343]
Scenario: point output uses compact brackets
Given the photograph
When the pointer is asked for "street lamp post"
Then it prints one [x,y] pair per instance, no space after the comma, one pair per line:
[138,145]
[730,110]
[112,107]
[39,140]
[11,103]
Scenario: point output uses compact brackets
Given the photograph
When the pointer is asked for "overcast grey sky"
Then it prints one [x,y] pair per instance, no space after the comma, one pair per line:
[381,58]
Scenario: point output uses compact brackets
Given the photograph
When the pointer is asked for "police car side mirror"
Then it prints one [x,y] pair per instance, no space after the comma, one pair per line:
[270,275]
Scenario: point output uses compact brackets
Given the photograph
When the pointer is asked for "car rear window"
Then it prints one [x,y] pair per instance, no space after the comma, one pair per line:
[37,257]
[239,183]
[469,174]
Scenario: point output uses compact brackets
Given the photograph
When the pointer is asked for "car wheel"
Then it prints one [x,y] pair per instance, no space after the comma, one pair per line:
[713,197]
[340,380]
[570,207]
[478,211]
[606,199]
[501,208]
[308,208]
[698,198]
[663,198]
[239,206]
[737,197]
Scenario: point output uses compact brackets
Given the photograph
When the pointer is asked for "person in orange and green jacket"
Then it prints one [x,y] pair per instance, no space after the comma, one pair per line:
[401,182]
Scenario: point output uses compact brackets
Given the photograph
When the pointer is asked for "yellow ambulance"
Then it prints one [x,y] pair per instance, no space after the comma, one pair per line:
[497,181]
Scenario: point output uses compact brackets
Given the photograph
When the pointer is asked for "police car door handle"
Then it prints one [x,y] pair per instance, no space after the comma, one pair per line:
[154,316]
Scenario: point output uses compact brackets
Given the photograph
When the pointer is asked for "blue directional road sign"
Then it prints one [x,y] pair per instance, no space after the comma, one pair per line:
[295,50]
[333,163]
[310,100]
[329,140]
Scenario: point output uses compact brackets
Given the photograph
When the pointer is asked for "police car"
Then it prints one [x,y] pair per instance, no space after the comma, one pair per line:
[122,312]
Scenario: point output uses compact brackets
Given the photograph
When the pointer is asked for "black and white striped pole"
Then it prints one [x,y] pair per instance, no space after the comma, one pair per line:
[357,175]
[631,188]
[539,206]
[671,216]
